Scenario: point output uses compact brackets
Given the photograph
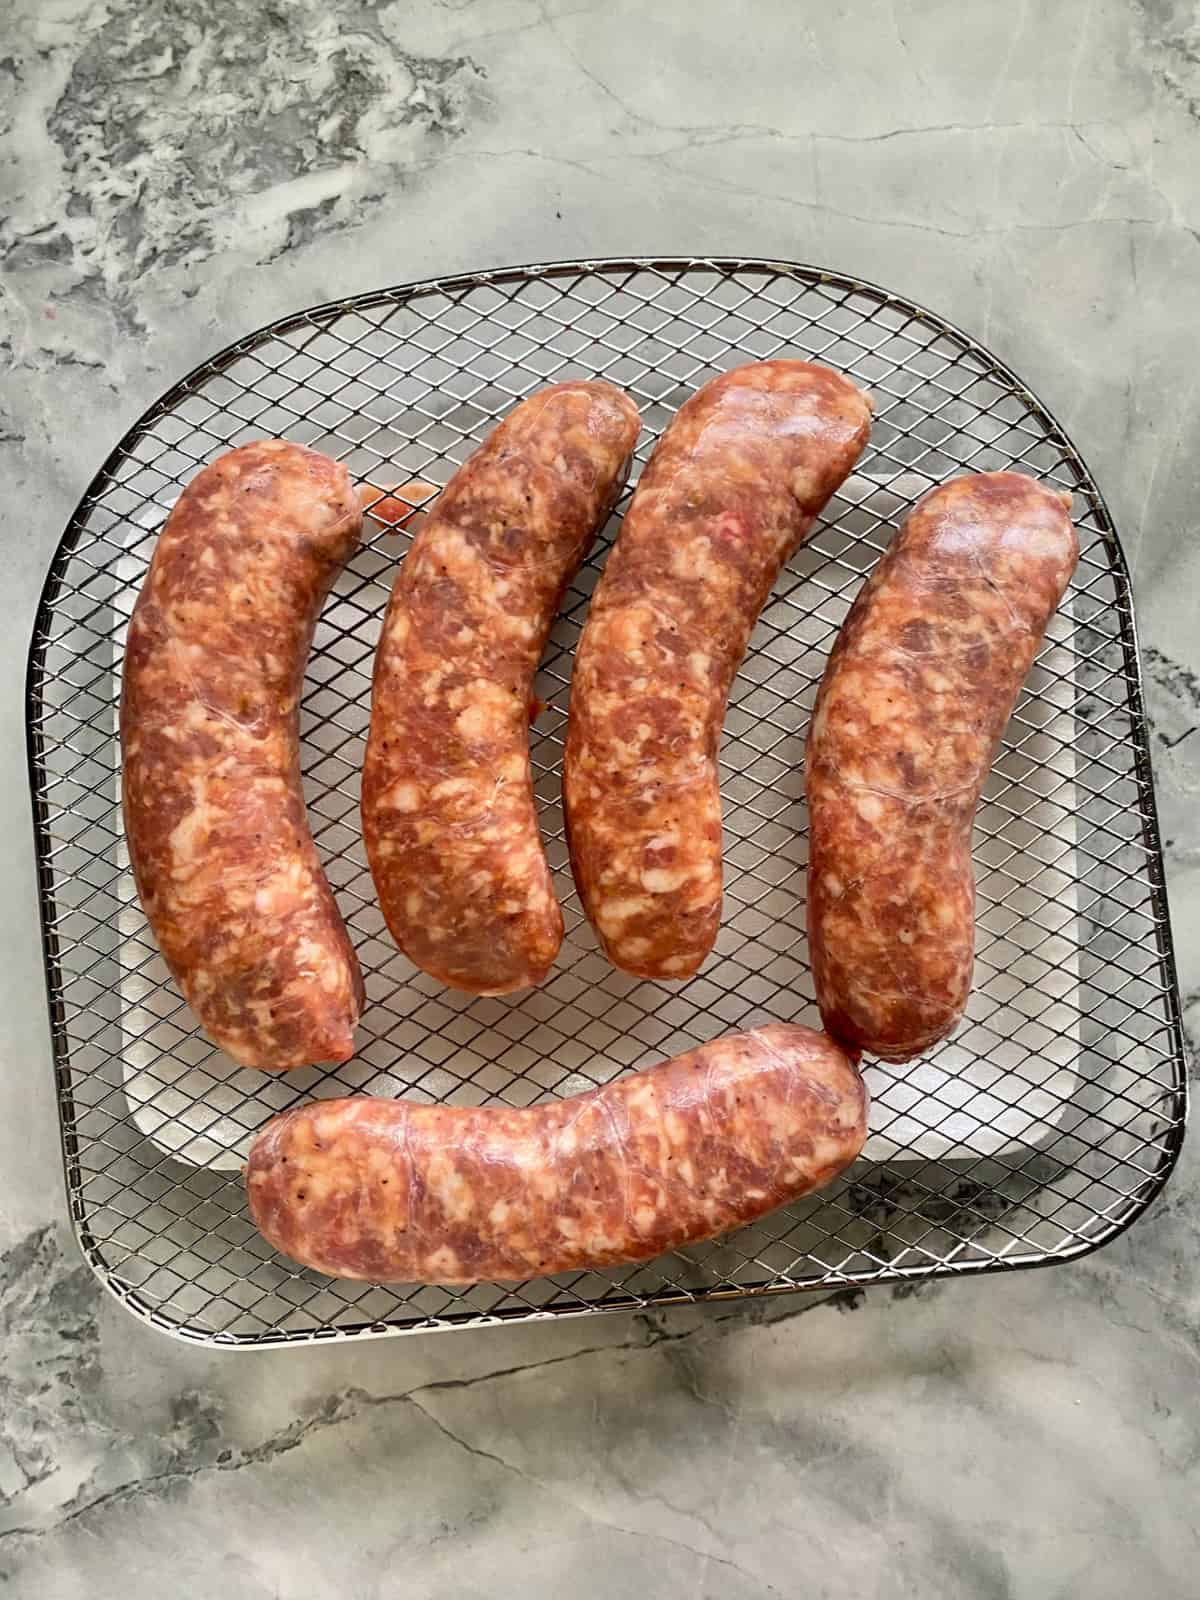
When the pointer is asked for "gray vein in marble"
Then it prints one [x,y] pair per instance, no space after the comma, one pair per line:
[42,1288]
[1171,32]
[554,1490]
[341,120]
[1173,707]
[162,120]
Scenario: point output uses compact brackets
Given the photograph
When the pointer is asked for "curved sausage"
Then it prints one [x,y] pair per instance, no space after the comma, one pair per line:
[447,797]
[914,700]
[733,487]
[385,1191]
[210,716]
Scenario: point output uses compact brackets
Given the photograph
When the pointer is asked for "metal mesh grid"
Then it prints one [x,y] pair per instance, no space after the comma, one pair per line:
[1044,1128]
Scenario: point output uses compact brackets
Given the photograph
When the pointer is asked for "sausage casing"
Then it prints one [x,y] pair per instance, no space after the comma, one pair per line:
[210,712]
[914,700]
[447,799]
[386,1191]
[733,487]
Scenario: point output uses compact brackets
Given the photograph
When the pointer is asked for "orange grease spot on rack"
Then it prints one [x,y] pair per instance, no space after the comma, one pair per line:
[393,508]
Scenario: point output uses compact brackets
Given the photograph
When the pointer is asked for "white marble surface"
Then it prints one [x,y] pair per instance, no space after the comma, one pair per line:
[176,173]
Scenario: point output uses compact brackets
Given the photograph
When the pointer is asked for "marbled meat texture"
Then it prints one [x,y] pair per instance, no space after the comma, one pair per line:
[733,487]
[447,802]
[210,713]
[911,709]
[386,1191]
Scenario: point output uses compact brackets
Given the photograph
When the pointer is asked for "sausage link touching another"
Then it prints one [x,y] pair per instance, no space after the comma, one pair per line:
[385,1191]
[447,800]
[733,487]
[914,700]
[210,715]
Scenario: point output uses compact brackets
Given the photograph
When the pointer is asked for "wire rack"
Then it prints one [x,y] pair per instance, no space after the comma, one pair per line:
[1040,1131]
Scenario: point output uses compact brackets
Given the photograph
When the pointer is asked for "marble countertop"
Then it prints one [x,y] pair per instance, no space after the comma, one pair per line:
[177,173]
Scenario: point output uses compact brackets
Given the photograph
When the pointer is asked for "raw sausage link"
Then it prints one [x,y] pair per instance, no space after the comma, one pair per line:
[733,487]
[385,1191]
[210,714]
[448,805]
[914,700]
